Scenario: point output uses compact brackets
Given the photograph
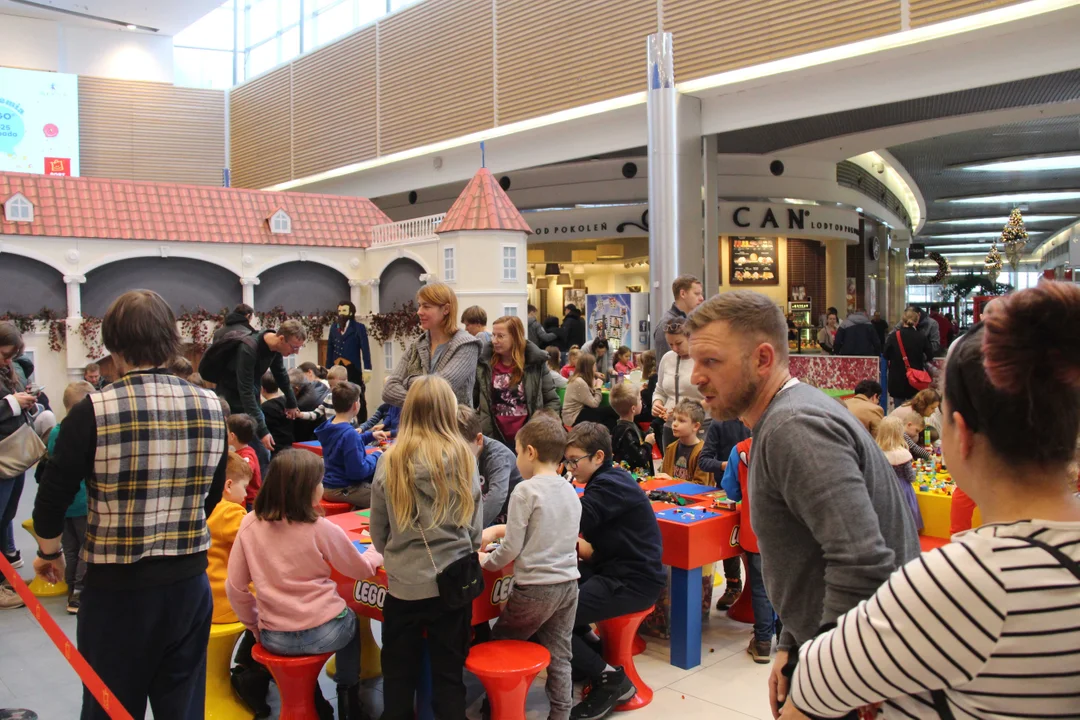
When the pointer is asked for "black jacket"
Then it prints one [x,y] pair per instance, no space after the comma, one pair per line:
[917,345]
[309,397]
[240,384]
[280,426]
[628,446]
[540,336]
[617,519]
[573,330]
[856,336]
[233,321]
[721,438]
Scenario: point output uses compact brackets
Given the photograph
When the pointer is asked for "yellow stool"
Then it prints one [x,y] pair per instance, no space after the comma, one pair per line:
[221,701]
[370,655]
[39,585]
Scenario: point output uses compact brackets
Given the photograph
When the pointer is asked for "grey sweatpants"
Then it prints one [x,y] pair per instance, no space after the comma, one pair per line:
[546,612]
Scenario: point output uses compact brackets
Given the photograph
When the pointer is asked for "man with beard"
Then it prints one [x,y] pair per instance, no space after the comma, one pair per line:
[348,346]
[828,514]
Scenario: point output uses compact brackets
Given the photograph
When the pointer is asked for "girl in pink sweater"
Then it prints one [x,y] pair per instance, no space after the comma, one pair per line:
[286,549]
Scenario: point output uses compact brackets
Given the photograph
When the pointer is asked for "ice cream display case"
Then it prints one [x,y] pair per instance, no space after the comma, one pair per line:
[802,335]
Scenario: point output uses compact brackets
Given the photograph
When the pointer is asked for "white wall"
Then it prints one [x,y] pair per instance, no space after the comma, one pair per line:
[49,45]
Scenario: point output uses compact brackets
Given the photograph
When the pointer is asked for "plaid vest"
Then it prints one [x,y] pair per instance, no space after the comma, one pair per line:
[159,442]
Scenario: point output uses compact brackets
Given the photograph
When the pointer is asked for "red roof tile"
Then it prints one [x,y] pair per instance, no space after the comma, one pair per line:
[483,205]
[98,208]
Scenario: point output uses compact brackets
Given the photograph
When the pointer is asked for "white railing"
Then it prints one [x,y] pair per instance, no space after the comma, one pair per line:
[421,228]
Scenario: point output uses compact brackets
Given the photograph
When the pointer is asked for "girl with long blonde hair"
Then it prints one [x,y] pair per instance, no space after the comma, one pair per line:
[426,513]
[890,438]
[512,381]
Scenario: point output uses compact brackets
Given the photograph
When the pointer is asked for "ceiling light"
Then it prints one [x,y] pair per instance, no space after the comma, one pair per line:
[130,26]
[1001,220]
[48,7]
[552,269]
[950,253]
[1030,197]
[959,246]
[1031,164]
[972,235]
[564,279]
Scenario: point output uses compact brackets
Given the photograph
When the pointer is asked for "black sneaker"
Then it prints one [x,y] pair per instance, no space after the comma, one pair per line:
[73,604]
[251,685]
[15,559]
[613,689]
[731,593]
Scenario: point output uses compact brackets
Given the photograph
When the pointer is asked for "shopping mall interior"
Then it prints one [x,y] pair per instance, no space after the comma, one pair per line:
[295,156]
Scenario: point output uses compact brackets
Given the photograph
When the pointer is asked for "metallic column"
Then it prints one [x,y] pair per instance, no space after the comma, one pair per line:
[675,178]
[711,203]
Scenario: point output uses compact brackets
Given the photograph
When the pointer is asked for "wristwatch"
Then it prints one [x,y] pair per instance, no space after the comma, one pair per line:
[49,556]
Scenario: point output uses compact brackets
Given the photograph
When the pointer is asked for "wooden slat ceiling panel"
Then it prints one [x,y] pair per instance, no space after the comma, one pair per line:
[565,53]
[261,128]
[436,73]
[334,105]
[711,37]
[927,12]
[151,131]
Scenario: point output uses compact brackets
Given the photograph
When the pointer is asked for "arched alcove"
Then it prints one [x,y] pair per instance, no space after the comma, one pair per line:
[301,287]
[27,285]
[183,282]
[399,283]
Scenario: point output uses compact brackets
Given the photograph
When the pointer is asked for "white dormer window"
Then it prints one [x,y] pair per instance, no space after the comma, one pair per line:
[18,209]
[280,223]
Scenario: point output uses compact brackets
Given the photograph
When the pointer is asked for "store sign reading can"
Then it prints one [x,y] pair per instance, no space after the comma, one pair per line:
[785,220]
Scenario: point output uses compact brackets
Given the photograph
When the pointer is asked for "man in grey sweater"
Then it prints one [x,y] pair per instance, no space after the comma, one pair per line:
[826,508]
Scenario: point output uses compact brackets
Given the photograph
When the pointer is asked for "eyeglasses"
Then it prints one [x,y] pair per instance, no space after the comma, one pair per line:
[572,463]
[296,348]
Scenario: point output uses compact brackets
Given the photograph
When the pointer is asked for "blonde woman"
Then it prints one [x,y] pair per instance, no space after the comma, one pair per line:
[426,494]
[443,349]
[890,438]
[585,389]
[512,381]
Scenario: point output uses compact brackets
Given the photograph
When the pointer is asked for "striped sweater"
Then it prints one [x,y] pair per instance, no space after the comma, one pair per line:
[990,619]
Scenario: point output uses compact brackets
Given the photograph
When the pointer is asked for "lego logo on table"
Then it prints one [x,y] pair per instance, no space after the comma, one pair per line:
[370,594]
[735,536]
[500,590]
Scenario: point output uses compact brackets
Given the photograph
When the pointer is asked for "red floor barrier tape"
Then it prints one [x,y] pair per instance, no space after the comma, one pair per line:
[82,668]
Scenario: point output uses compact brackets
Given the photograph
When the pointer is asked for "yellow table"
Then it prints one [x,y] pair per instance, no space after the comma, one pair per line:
[935,513]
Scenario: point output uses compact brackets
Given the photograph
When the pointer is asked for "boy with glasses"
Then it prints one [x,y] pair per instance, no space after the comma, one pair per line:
[621,572]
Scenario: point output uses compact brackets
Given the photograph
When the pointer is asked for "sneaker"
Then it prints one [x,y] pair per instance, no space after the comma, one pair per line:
[73,604]
[760,650]
[251,685]
[9,599]
[613,689]
[731,594]
[15,559]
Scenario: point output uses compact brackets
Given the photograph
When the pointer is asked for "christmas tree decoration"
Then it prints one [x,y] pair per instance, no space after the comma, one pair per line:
[1014,238]
[992,263]
[944,271]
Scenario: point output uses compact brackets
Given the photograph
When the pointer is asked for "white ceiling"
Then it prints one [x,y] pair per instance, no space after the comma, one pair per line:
[169,16]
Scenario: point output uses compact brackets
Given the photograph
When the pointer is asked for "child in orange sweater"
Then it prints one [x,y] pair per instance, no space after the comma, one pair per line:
[223,525]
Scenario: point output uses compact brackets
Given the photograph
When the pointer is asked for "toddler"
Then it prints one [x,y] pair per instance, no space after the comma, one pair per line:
[892,439]
[241,434]
[571,362]
[223,524]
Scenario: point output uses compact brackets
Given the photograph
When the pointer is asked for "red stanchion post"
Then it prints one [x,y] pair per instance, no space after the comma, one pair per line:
[78,663]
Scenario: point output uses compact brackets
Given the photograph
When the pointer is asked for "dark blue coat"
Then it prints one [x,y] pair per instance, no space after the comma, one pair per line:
[353,345]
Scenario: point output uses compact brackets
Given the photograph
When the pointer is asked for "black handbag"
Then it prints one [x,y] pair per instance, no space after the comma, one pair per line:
[460,582]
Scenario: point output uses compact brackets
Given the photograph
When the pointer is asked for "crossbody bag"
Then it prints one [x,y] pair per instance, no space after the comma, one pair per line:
[460,582]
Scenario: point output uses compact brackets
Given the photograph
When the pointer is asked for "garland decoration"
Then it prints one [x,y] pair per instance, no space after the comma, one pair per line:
[199,325]
[1014,238]
[50,319]
[402,325]
[992,263]
[90,334]
[944,271]
[272,318]
[316,323]
[966,285]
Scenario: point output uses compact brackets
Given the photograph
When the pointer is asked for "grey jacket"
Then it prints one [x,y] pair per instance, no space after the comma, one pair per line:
[659,341]
[457,366]
[827,510]
[408,567]
[539,336]
[539,387]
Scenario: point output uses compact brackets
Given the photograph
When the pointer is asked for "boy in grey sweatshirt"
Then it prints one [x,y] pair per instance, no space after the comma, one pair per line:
[540,538]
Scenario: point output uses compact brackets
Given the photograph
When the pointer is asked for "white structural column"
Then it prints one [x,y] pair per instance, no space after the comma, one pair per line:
[836,276]
[248,284]
[710,163]
[354,291]
[74,294]
[373,293]
[675,177]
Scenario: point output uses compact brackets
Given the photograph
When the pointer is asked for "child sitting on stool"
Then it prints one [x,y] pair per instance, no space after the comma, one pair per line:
[386,418]
[681,456]
[540,538]
[241,434]
[891,439]
[626,441]
[349,467]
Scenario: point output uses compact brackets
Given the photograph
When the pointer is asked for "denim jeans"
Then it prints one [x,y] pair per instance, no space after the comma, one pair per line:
[337,635]
[764,615]
[10,494]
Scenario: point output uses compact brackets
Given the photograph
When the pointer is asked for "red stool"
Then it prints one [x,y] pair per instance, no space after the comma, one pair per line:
[743,609]
[295,677]
[334,508]
[507,668]
[618,636]
[639,644]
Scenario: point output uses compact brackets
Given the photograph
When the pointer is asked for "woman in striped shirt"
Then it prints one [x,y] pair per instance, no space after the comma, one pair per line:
[989,625]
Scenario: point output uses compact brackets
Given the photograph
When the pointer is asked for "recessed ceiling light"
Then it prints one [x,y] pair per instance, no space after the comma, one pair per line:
[972,235]
[960,246]
[1031,164]
[1030,197]
[129,26]
[1001,220]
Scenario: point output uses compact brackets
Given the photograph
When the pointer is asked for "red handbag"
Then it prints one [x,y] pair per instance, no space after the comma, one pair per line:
[918,379]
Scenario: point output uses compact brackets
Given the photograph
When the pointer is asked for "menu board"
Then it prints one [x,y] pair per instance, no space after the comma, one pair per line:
[753,261]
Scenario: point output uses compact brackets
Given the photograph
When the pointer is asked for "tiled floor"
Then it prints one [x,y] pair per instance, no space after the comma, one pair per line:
[727,686]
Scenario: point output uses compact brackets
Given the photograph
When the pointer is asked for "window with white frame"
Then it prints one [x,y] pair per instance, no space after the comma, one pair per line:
[509,263]
[18,209]
[448,264]
[388,356]
[510,310]
[280,223]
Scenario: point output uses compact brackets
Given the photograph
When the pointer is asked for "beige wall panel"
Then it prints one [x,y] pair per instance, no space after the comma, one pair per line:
[261,130]
[105,136]
[560,54]
[334,105]
[927,12]
[435,73]
[712,36]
